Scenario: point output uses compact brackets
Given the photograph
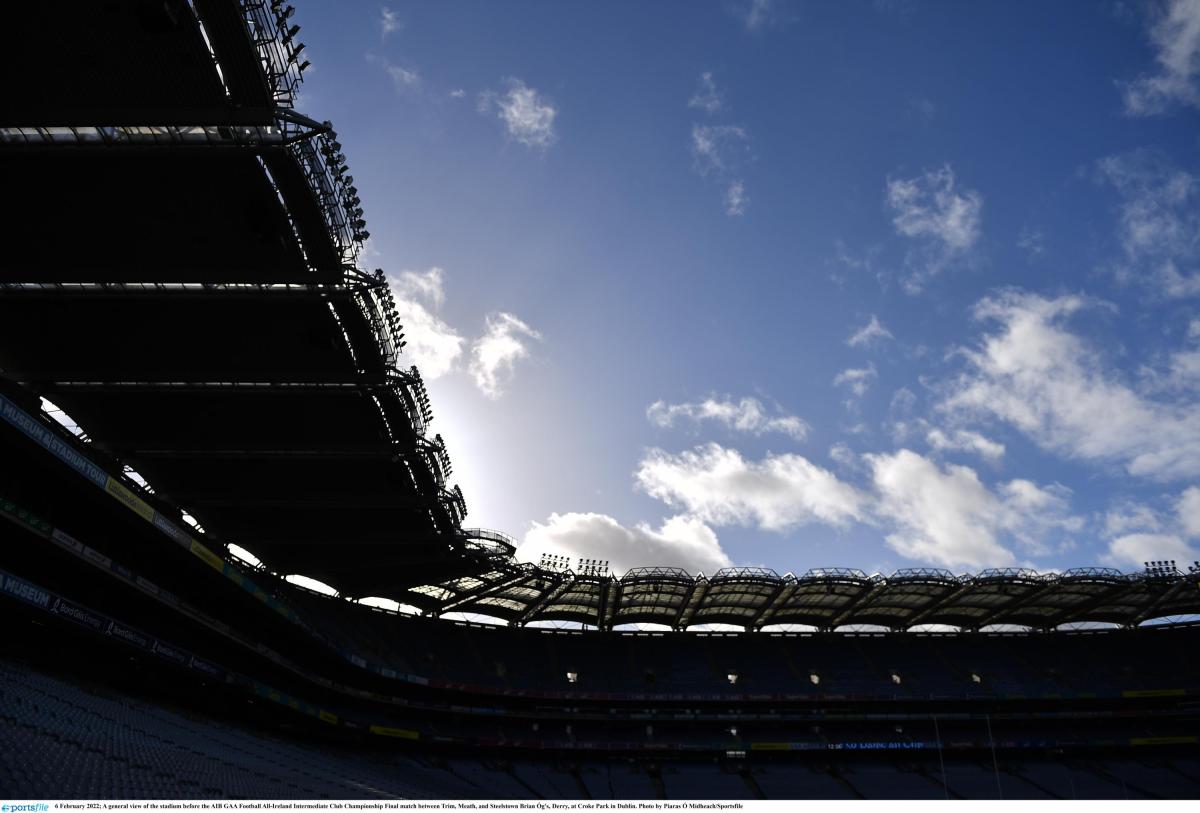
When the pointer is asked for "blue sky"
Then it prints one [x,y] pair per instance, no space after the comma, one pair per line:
[793,284]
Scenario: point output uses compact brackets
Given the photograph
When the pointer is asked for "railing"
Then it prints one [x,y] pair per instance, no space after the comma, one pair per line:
[500,541]
[274,37]
[324,166]
[416,397]
[141,135]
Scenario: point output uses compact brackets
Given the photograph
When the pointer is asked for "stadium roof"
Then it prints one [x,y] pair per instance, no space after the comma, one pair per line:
[186,288]
[823,598]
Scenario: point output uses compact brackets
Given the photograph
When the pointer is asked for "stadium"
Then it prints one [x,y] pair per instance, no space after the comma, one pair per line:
[201,362]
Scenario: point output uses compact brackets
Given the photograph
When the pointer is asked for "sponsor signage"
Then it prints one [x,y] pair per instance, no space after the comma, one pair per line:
[49,440]
[169,652]
[400,733]
[18,588]
[130,500]
[79,615]
[128,635]
[67,541]
[172,530]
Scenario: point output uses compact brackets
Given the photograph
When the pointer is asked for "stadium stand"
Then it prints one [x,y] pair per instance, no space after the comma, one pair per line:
[204,364]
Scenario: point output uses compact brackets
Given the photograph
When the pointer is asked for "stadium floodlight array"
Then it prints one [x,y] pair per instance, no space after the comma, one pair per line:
[274,37]
[410,388]
[443,456]
[597,568]
[327,174]
[457,505]
[435,457]
[422,395]
[1161,568]
[555,562]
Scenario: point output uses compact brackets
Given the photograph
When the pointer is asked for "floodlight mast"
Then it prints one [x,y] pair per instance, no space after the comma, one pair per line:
[593,568]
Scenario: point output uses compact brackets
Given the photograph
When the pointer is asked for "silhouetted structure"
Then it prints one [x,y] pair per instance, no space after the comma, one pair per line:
[180,277]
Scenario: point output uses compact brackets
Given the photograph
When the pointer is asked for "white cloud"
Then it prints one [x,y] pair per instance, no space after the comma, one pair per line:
[1184,373]
[903,401]
[433,345]
[1032,242]
[867,262]
[1176,36]
[682,541]
[719,486]
[388,22]
[707,97]
[940,514]
[872,332]
[457,93]
[1133,550]
[963,440]
[1188,508]
[946,516]
[1154,536]
[437,348]
[1052,386]
[527,115]
[717,147]
[856,379]
[428,285]
[1127,516]
[747,415]
[1158,221]
[843,455]
[404,80]
[928,208]
[494,354]
[1034,513]
[718,151]
[736,199]
[757,14]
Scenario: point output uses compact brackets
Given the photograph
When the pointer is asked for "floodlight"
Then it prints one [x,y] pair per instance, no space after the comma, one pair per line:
[572,677]
[732,677]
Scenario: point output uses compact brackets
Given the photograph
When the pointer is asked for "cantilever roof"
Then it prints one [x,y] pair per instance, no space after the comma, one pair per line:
[825,598]
[194,302]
